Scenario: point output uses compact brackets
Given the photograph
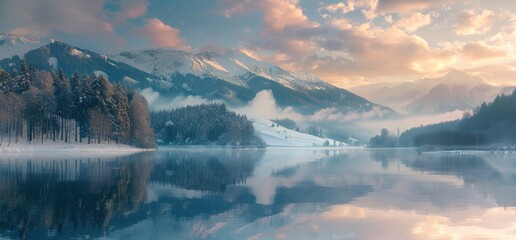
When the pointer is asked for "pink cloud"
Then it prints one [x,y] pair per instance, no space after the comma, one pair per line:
[127,9]
[414,21]
[162,35]
[407,6]
[470,22]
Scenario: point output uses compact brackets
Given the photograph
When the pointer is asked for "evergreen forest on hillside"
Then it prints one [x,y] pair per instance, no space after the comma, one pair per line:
[206,124]
[490,123]
[40,107]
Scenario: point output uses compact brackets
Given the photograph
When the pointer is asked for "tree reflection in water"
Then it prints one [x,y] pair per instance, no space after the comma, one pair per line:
[69,197]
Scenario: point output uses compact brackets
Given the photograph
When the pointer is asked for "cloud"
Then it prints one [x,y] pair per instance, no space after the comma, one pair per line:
[73,16]
[122,10]
[481,51]
[264,106]
[470,22]
[414,21]
[342,7]
[162,35]
[340,49]
[88,21]
[407,6]
[158,102]
[373,8]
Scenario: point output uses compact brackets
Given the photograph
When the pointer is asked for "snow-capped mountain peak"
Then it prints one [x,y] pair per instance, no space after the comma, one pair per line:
[11,45]
[233,67]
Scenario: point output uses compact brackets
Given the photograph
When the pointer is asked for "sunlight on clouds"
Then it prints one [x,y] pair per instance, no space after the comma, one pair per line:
[162,35]
[470,22]
[493,223]
[394,39]
[414,21]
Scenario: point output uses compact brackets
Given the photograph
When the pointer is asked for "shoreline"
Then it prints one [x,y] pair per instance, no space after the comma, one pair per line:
[74,148]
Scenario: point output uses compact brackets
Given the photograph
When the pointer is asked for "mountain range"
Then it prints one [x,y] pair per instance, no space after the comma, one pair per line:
[455,90]
[11,45]
[233,77]
[236,78]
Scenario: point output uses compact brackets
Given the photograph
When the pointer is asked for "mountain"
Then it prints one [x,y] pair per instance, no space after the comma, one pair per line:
[58,55]
[236,78]
[233,67]
[233,77]
[11,45]
[455,90]
[491,124]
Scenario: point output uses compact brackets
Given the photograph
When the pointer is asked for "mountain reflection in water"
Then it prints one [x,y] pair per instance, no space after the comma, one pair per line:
[259,194]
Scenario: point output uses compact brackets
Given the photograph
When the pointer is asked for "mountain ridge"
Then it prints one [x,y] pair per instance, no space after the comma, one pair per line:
[432,95]
[234,77]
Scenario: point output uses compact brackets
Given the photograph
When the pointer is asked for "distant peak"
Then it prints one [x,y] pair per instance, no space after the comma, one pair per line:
[457,77]
[456,73]
[14,37]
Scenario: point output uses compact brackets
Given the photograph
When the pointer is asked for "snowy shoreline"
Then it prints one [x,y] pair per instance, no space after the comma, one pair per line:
[82,149]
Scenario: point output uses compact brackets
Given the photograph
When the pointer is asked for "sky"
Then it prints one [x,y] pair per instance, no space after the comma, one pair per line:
[346,43]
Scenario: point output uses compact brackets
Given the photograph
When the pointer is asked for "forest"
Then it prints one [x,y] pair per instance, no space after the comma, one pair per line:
[490,123]
[40,107]
[205,124]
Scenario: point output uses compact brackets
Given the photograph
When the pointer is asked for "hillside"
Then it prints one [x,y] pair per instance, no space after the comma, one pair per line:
[205,124]
[38,107]
[491,123]
[236,78]
[233,77]
[279,136]
[12,45]
[61,56]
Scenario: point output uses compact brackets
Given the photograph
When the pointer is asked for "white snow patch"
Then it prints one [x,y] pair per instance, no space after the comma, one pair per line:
[216,65]
[241,64]
[279,136]
[185,86]
[11,45]
[52,61]
[231,67]
[79,53]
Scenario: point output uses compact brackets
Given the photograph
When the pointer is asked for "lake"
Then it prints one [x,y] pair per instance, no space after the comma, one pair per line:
[279,193]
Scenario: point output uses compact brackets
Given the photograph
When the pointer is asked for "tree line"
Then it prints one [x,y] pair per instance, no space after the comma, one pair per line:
[490,123]
[205,124]
[40,106]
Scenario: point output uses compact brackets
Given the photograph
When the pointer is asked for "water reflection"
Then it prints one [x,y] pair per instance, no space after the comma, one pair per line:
[69,197]
[260,194]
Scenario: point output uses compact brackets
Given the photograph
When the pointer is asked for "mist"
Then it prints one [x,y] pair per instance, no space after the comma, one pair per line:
[337,125]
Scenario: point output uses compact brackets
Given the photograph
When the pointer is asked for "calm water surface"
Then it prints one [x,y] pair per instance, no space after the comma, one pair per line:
[260,194]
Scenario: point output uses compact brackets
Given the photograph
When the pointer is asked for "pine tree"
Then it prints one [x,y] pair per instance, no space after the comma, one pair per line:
[101,93]
[76,105]
[62,94]
[23,82]
[120,113]
[5,81]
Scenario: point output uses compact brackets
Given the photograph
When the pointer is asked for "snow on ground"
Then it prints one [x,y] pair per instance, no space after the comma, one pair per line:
[279,136]
[68,149]
[52,61]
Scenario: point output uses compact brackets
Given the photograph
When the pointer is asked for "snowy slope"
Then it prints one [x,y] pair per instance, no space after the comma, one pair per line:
[279,136]
[233,67]
[11,45]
